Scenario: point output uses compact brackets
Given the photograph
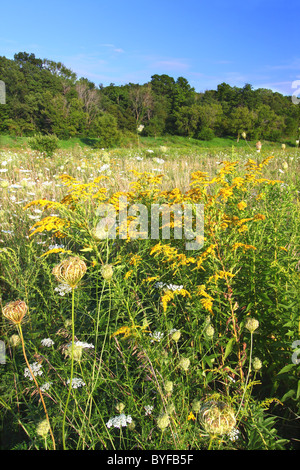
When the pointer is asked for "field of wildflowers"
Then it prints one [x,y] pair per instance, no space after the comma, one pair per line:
[135,343]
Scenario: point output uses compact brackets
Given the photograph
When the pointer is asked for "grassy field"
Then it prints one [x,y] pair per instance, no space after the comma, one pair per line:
[139,343]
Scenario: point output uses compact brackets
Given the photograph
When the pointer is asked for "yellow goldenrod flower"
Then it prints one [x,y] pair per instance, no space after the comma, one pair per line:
[191,416]
[242,205]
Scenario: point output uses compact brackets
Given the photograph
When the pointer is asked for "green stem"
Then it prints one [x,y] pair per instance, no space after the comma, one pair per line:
[35,381]
[71,375]
[249,370]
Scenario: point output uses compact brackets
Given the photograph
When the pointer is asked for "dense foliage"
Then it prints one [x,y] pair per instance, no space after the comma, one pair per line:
[46,97]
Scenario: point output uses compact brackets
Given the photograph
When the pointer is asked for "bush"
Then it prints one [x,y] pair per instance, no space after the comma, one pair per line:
[105,128]
[46,144]
[206,134]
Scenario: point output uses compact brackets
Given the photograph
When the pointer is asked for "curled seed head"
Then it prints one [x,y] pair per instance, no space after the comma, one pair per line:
[70,271]
[15,311]
[217,417]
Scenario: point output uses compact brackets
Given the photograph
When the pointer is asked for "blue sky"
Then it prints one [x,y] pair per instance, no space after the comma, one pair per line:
[122,41]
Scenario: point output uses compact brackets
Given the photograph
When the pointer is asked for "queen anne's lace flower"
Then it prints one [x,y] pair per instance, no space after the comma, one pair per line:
[76,383]
[36,370]
[119,421]
[48,342]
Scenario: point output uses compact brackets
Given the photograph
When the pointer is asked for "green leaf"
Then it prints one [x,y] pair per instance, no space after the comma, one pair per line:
[229,347]
[286,369]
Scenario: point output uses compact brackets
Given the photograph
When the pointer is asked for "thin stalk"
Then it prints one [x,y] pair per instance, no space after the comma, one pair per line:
[71,375]
[36,384]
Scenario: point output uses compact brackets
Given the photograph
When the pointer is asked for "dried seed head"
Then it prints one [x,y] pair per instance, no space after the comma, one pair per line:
[217,417]
[15,311]
[14,340]
[70,271]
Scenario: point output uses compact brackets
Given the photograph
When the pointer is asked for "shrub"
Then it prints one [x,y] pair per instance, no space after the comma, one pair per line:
[46,144]
[206,134]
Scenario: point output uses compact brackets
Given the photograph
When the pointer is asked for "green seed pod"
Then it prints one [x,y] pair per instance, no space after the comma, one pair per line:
[256,364]
[163,422]
[251,324]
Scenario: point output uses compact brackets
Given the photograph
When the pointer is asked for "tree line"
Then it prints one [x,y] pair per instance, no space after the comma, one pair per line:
[43,96]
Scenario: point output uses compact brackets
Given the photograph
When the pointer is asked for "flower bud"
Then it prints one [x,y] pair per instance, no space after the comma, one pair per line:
[163,422]
[120,407]
[170,408]
[107,272]
[251,324]
[77,352]
[196,405]
[15,311]
[209,331]
[176,336]
[43,428]
[184,363]
[169,386]
[256,364]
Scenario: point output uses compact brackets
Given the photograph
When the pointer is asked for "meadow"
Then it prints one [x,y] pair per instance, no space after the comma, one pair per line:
[137,343]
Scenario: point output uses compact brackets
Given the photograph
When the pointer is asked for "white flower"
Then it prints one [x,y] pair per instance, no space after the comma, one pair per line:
[159,160]
[47,342]
[76,383]
[56,246]
[234,434]
[36,370]
[63,289]
[45,386]
[84,345]
[148,409]
[119,421]
[157,336]
[163,285]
